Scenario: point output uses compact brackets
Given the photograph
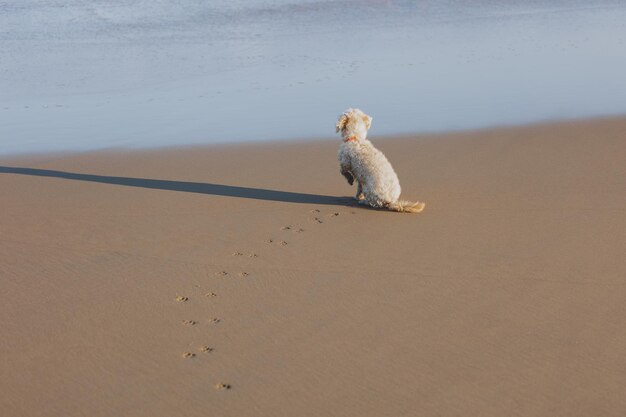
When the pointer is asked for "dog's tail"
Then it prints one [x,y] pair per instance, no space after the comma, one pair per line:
[407,206]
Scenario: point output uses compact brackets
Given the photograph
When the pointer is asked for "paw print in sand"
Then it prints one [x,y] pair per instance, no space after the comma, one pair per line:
[293,229]
[272,241]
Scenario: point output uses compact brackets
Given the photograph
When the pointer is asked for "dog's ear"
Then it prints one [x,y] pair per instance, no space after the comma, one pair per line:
[367,120]
[341,123]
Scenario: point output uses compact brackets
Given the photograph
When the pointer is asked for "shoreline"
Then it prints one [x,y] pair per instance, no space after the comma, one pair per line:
[311,139]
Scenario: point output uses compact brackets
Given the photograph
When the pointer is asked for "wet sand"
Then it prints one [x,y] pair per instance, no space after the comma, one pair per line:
[85,75]
[243,281]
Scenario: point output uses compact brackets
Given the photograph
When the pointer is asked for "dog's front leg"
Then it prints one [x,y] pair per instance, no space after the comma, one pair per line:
[359,191]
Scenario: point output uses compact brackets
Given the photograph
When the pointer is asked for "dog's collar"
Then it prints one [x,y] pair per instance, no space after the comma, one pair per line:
[350,139]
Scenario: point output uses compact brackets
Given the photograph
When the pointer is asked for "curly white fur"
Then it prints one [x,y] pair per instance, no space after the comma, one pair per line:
[377,183]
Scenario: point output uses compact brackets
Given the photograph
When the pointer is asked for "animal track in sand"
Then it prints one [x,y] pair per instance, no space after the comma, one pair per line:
[221,386]
[222,273]
[189,322]
[205,349]
[215,320]
[293,229]
[253,255]
[188,355]
[334,214]
[243,274]
[314,211]
[237,254]
[210,294]
[182,298]
[318,220]
[280,242]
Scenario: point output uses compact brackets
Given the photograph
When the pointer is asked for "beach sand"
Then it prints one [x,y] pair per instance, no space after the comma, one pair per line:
[243,281]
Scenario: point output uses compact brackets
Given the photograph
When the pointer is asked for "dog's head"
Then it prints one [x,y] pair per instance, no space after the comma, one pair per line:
[353,124]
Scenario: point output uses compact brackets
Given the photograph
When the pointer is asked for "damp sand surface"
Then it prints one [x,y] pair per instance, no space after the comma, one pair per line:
[85,75]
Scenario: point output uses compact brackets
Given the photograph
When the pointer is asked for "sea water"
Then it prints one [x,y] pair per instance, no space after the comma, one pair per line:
[92,74]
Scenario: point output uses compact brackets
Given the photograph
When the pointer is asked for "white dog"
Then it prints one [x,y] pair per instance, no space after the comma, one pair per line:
[378,184]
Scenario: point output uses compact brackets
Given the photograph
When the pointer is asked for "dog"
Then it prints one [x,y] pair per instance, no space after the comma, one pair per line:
[377,183]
